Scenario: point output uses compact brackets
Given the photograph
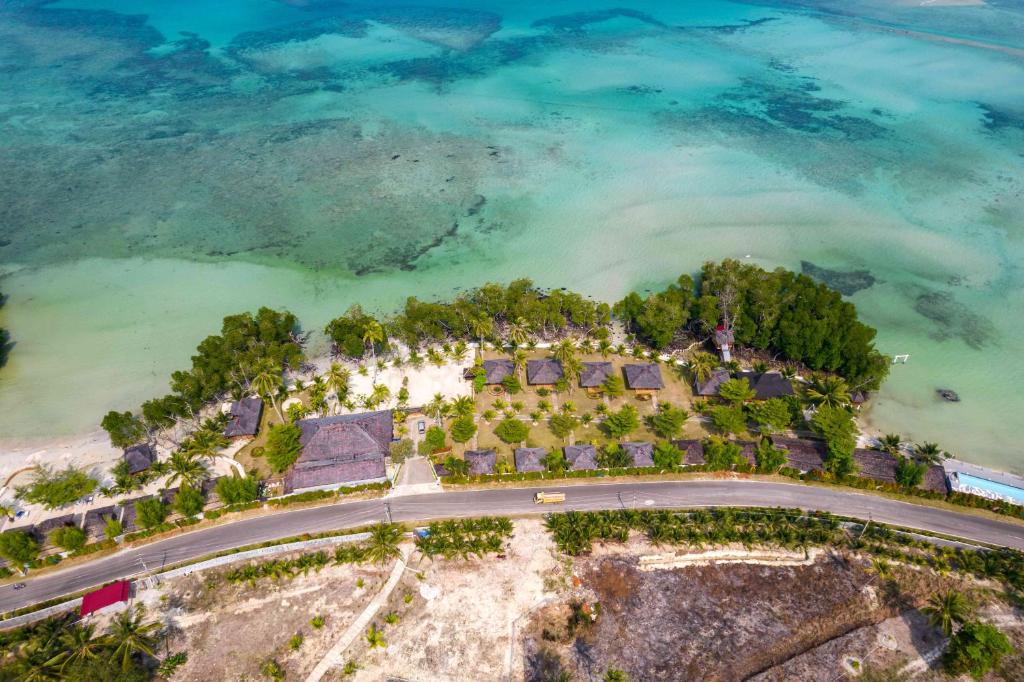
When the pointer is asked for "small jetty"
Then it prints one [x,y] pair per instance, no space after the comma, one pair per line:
[948,395]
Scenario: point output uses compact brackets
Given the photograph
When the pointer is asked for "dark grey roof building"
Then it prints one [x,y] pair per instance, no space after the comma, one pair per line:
[543,372]
[497,370]
[346,449]
[594,374]
[767,384]
[94,522]
[580,457]
[139,457]
[530,459]
[693,451]
[803,454]
[645,377]
[642,454]
[41,531]
[481,462]
[712,384]
[244,418]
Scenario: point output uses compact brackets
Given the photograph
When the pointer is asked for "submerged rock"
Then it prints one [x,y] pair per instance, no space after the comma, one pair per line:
[846,282]
[948,394]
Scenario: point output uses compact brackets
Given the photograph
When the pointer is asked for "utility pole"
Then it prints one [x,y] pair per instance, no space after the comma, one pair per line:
[387,512]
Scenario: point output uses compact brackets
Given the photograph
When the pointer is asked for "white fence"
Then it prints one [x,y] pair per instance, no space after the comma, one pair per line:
[25,619]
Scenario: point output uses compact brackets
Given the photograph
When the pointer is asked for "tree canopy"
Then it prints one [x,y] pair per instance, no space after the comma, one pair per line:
[837,427]
[976,649]
[512,430]
[283,447]
[18,547]
[238,489]
[56,489]
[124,428]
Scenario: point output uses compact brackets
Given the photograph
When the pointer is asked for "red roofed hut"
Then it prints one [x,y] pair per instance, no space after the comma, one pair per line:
[114,593]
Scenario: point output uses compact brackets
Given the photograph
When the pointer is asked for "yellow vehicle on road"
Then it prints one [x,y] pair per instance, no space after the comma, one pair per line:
[548,498]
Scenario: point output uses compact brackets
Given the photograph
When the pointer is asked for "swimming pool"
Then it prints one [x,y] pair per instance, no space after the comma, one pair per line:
[1006,492]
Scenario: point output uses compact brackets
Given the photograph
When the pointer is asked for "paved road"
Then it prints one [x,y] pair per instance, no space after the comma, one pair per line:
[503,501]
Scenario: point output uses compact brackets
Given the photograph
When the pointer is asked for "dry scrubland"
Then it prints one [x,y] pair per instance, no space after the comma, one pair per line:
[830,617]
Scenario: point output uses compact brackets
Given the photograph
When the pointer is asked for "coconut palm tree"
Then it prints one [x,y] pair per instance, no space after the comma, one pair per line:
[519,362]
[187,469]
[518,332]
[891,443]
[459,349]
[79,644]
[8,511]
[129,636]
[928,452]
[482,327]
[828,391]
[267,382]
[206,443]
[337,379]
[947,610]
[437,408]
[701,365]
[571,368]
[564,351]
[463,406]
[605,348]
[382,545]
[373,333]
[380,394]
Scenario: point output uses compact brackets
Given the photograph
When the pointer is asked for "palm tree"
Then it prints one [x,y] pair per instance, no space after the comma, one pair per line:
[79,644]
[571,368]
[605,348]
[8,511]
[482,327]
[828,391]
[928,452]
[383,543]
[267,382]
[518,332]
[338,381]
[891,443]
[459,349]
[947,610]
[129,636]
[380,394]
[519,362]
[564,351]
[437,408]
[205,443]
[701,365]
[463,406]
[187,469]
[373,334]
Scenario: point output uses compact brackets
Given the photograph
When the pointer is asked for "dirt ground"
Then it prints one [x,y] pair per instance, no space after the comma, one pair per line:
[633,606]
[231,630]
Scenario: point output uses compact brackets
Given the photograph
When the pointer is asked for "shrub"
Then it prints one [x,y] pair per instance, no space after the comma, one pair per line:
[456,466]
[463,429]
[189,501]
[909,473]
[434,439]
[295,643]
[70,538]
[18,547]
[613,456]
[976,649]
[563,424]
[283,446]
[401,450]
[112,528]
[317,622]
[512,430]
[768,457]
[668,422]
[721,455]
[238,489]
[666,455]
[620,424]
[728,419]
[511,384]
[151,512]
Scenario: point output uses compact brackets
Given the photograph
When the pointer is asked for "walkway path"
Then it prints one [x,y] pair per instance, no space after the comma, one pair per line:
[359,625]
[416,478]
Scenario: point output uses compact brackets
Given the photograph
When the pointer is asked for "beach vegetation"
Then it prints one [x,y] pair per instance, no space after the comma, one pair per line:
[124,428]
[382,545]
[910,473]
[837,427]
[976,649]
[55,489]
[282,447]
[355,332]
[112,528]
[947,610]
[660,318]
[456,466]
[463,429]
[186,468]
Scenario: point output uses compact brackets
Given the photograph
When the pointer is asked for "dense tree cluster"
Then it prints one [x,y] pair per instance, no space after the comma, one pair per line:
[54,489]
[493,311]
[227,363]
[778,311]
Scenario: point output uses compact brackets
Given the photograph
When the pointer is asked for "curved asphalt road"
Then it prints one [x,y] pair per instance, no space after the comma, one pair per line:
[508,501]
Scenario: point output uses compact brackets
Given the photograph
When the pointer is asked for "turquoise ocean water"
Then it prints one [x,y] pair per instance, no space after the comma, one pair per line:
[164,164]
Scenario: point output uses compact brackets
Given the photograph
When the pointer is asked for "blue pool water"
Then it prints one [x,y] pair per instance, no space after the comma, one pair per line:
[1001,489]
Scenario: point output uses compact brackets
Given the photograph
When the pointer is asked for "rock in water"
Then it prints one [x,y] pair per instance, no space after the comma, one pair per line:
[948,394]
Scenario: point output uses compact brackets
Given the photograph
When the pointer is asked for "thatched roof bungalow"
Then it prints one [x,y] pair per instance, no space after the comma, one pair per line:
[580,457]
[546,372]
[529,459]
[641,454]
[244,418]
[481,462]
[594,374]
[346,449]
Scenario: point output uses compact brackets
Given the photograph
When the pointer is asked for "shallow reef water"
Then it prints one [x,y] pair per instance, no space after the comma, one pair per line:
[315,153]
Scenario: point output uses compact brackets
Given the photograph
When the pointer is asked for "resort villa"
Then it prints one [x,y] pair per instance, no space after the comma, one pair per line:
[244,418]
[481,462]
[644,380]
[641,455]
[544,372]
[767,384]
[346,449]
[709,387]
[495,371]
[139,457]
[594,374]
[580,457]
[530,459]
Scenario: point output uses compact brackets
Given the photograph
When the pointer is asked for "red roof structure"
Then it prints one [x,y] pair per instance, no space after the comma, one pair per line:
[105,596]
